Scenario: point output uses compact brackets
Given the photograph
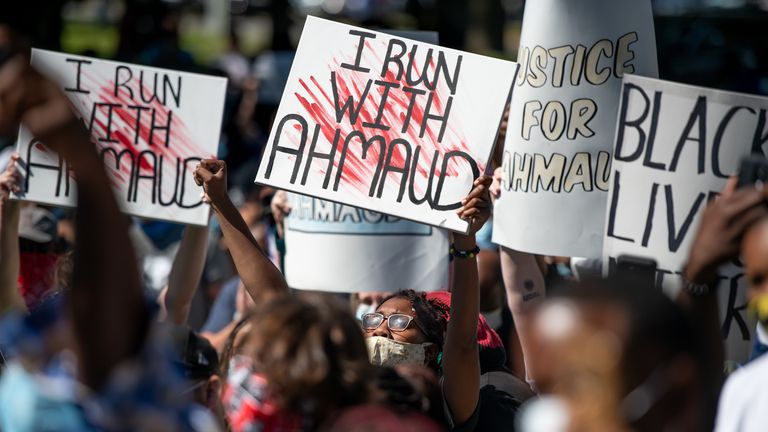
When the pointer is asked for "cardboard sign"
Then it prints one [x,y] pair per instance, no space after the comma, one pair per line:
[557,155]
[337,248]
[151,126]
[387,124]
[676,146]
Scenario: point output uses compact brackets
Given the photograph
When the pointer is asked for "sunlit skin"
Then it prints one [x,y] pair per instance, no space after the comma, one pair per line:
[754,254]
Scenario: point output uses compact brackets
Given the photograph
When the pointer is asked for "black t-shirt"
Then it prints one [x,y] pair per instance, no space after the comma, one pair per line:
[501,395]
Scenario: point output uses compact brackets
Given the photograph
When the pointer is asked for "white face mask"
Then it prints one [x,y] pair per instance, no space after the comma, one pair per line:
[388,352]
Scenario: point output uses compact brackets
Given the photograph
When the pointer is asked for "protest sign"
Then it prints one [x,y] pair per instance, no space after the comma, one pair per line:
[332,247]
[387,124]
[150,126]
[557,155]
[676,146]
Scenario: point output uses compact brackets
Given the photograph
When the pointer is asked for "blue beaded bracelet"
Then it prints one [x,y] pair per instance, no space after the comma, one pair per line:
[464,253]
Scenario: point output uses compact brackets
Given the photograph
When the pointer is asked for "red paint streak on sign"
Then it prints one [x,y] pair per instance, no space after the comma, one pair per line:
[357,171]
[131,129]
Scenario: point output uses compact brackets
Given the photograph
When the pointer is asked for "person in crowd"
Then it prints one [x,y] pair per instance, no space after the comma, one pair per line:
[733,225]
[301,362]
[409,328]
[614,355]
[30,250]
[452,349]
[114,371]
[501,393]
[199,363]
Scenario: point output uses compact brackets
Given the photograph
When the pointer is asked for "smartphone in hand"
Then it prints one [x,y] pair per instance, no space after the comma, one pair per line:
[753,171]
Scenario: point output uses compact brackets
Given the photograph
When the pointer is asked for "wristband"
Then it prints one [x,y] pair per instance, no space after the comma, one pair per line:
[695,289]
[464,253]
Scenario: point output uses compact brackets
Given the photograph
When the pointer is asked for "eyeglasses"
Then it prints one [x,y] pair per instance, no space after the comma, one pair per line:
[396,322]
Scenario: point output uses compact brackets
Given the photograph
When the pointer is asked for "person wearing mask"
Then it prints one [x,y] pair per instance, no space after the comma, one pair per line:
[614,355]
[409,328]
[294,364]
[450,349]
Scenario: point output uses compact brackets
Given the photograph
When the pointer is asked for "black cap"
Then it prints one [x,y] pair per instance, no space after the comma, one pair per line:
[197,356]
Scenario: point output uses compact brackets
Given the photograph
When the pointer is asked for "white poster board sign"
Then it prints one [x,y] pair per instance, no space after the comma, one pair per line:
[337,248]
[557,155]
[387,124]
[676,146]
[151,126]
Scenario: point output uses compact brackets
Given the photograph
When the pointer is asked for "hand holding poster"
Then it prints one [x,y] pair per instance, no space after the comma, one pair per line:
[386,124]
[150,126]
[557,155]
[337,248]
[676,146]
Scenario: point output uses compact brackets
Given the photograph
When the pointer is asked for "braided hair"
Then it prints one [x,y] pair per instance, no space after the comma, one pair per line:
[431,314]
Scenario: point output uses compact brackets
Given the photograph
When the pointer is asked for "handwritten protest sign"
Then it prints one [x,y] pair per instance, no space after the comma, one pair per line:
[332,247]
[384,123]
[151,126]
[676,146]
[557,155]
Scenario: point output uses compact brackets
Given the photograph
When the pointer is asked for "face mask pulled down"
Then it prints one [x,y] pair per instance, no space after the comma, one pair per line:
[388,352]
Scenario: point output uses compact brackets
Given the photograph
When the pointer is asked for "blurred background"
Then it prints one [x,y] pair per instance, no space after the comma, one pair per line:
[710,42]
[715,43]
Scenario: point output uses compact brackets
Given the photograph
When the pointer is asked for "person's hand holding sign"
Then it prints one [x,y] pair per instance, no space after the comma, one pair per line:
[461,361]
[476,207]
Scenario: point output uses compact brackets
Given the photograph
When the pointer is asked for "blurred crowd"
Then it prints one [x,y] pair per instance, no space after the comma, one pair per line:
[111,323]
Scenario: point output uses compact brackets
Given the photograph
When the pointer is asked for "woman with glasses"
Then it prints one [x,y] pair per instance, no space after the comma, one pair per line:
[407,328]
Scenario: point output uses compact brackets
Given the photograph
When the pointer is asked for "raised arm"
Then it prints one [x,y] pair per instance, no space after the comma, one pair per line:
[261,278]
[523,283]
[107,306]
[185,273]
[461,358]
[717,242]
[10,297]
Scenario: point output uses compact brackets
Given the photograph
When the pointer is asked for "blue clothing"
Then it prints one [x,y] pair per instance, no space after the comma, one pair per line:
[223,309]
[147,392]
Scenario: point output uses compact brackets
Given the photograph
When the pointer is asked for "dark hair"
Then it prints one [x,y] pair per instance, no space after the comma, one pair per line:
[311,352]
[658,328]
[431,315]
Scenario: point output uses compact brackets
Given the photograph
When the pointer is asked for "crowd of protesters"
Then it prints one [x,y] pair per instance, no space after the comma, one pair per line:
[109,323]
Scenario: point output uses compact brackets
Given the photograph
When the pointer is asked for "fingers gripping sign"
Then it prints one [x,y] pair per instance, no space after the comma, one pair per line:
[476,207]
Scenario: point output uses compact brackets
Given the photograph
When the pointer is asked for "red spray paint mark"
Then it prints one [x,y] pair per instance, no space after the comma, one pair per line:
[359,172]
[124,130]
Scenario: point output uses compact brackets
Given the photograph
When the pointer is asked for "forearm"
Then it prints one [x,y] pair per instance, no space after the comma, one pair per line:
[261,278]
[185,273]
[461,361]
[10,297]
[524,285]
[523,280]
[704,310]
[108,310]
